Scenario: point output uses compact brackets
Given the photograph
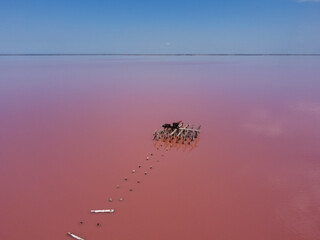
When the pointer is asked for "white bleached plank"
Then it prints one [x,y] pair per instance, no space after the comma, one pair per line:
[103,211]
[74,236]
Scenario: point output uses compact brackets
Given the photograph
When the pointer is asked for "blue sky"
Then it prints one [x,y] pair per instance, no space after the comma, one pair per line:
[166,26]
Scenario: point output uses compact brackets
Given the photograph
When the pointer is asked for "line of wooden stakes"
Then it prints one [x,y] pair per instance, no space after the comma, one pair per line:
[175,132]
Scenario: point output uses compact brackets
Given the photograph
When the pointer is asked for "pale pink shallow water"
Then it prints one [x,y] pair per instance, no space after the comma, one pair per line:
[72,128]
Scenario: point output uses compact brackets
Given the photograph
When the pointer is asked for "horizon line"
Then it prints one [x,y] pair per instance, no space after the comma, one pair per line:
[159,54]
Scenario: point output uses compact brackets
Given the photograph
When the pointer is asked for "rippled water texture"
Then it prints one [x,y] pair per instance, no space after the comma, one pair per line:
[72,128]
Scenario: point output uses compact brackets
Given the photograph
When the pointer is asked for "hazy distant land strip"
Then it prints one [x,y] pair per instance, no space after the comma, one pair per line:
[138,54]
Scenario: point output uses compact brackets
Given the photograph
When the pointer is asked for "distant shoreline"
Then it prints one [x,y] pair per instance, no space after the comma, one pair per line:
[155,55]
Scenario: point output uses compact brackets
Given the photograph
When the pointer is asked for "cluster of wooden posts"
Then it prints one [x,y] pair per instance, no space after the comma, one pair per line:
[181,133]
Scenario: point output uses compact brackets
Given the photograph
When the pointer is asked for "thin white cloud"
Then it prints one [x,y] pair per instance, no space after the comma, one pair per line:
[308,1]
[261,122]
[309,108]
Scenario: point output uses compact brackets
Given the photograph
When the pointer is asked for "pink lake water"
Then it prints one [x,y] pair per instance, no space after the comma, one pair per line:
[72,128]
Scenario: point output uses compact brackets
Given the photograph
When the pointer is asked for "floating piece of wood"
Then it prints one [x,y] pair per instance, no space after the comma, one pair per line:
[118,186]
[120,199]
[126,179]
[145,173]
[74,236]
[133,171]
[103,211]
[147,158]
[130,189]
[110,199]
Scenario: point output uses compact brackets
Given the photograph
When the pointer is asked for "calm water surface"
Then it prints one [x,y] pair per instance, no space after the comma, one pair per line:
[72,128]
